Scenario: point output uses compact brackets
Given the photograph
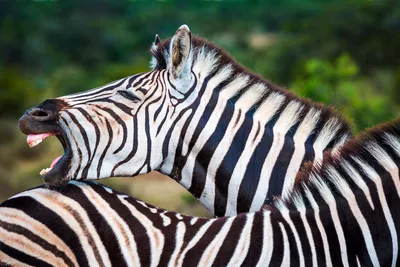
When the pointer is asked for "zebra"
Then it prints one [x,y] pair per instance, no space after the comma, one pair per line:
[343,212]
[231,138]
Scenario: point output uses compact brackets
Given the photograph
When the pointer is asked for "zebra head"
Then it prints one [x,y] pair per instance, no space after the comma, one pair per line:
[117,129]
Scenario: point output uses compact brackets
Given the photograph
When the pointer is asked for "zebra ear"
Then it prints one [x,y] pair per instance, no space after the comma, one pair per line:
[180,48]
[157,40]
[158,58]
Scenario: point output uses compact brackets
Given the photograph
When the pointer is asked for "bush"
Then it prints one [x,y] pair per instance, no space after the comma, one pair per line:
[339,84]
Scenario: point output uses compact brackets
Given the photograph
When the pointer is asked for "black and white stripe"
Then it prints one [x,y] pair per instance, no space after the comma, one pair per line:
[231,138]
[344,213]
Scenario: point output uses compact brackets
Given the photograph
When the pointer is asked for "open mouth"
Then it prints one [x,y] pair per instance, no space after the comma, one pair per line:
[59,165]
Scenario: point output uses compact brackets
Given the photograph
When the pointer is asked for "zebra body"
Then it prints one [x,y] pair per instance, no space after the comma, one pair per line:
[231,138]
[344,213]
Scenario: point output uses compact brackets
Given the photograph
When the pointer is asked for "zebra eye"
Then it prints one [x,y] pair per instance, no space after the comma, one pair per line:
[129,95]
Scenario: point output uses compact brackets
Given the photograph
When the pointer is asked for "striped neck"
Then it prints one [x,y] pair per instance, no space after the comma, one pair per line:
[244,139]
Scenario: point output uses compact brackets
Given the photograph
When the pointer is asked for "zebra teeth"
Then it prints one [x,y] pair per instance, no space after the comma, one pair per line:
[35,143]
[35,139]
[45,171]
[53,163]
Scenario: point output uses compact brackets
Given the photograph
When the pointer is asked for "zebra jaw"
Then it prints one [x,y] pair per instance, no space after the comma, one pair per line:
[34,140]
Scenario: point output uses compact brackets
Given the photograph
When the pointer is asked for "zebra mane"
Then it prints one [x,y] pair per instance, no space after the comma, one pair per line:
[344,172]
[330,127]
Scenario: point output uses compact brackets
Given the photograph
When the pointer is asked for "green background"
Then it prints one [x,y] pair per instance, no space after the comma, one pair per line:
[343,53]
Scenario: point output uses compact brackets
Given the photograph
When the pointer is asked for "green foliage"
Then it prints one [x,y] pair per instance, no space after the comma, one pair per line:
[16,92]
[340,84]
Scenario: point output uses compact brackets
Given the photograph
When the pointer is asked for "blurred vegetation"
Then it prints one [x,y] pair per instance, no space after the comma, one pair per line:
[343,53]
[340,84]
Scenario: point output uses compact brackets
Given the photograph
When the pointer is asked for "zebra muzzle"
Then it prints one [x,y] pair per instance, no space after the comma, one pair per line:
[40,123]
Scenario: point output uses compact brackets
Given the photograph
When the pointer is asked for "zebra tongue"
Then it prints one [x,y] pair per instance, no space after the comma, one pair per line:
[55,162]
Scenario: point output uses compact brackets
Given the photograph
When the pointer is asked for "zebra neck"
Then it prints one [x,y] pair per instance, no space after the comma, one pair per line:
[226,150]
[228,144]
[242,140]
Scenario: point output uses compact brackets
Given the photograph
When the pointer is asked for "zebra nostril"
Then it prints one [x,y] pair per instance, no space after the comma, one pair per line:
[40,114]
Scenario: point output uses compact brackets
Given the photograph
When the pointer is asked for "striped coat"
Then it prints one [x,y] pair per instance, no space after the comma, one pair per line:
[344,213]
